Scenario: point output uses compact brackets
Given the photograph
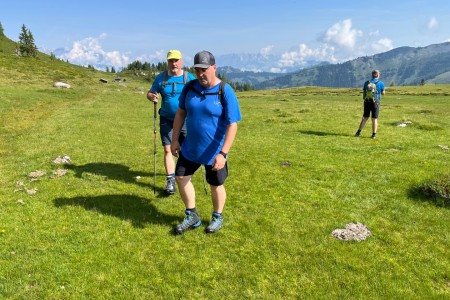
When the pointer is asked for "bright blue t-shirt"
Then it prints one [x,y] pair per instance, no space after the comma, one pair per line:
[207,120]
[379,85]
[170,93]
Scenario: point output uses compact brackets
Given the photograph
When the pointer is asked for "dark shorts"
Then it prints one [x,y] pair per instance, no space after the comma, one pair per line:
[371,107]
[186,167]
[166,129]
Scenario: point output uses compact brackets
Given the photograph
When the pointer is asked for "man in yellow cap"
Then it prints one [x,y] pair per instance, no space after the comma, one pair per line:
[169,85]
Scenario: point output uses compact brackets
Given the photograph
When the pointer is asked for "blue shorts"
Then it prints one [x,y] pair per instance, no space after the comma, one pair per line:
[186,167]
[166,129]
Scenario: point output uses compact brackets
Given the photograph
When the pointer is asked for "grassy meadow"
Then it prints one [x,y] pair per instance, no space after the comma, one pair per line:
[296,174]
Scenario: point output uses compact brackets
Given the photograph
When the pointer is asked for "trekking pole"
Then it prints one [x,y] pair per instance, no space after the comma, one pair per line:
[154,148]
[204,183]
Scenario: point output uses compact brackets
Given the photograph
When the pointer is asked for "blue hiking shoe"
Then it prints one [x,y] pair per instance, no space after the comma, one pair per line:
[215,224]
[191,221]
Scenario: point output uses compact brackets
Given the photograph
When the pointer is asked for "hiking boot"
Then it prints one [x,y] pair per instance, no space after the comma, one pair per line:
[171,186]
[191,221]
[215,224]
[358,133]
[374,136]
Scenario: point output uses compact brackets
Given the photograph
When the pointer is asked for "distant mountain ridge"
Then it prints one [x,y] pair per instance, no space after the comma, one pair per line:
[400,66]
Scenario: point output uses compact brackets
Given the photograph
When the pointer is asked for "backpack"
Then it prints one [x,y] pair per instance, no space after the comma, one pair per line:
[220,92]
[370,91]
[164,81]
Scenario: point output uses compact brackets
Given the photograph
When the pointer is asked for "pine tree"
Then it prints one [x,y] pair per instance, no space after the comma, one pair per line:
[26,45]
[1,30]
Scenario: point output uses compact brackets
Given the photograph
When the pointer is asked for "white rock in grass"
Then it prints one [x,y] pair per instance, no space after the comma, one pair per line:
[61,85]
[32,191]
[36,174]
[62,160]
[60,172]
[352,232]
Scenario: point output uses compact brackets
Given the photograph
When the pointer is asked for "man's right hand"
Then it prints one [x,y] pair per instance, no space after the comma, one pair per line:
[152,97]
[175,148]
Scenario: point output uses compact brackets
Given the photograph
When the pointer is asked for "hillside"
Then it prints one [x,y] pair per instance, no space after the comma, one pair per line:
[400,66]
[17,70]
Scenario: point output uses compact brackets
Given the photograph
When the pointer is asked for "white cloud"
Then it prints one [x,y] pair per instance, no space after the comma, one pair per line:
[304,53]
[382,45]
[266,50]
[342,34]
[89,51]
[339,43]
[159,55]
[433,23]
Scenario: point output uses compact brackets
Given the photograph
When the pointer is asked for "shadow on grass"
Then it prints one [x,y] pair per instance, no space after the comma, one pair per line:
[416,193]
[321,133]
[111,171]
[130,208]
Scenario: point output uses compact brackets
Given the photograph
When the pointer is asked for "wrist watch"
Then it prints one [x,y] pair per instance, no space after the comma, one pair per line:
[224,154]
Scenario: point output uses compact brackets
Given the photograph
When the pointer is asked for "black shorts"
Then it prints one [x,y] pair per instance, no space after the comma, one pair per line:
[186,168]
[371,107]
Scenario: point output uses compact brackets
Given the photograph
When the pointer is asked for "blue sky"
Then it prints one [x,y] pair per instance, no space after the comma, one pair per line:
[116,33]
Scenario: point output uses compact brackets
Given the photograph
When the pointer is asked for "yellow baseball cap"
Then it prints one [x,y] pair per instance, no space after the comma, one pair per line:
[174,54]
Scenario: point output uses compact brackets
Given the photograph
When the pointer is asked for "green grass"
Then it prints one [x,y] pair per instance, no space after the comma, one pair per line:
[100,233]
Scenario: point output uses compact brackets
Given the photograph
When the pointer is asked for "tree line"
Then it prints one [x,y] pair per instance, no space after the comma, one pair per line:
[152,70]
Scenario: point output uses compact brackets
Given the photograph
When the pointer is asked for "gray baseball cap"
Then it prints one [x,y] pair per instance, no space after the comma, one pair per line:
[204,59]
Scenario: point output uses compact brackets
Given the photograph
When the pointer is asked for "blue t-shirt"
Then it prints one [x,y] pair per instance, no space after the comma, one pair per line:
[170,93]
[380,87]
[207,121]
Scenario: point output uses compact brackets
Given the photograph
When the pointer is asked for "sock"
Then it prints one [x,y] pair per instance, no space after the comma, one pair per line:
[191,210]
[216,214]
[170,175]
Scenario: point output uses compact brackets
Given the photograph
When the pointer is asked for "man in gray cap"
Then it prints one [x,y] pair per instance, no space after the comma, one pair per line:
[211,122]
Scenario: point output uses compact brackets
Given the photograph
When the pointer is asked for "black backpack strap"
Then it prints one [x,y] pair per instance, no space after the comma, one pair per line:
[221,92]
[164,81]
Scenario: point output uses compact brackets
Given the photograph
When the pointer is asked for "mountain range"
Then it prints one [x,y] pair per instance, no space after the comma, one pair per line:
[400,66]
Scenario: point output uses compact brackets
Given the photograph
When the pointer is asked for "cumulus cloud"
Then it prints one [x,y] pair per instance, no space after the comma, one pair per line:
[89,51]
[304,53]
[342,34]
[159,55]
[340,42]
[382,45]
[266,50]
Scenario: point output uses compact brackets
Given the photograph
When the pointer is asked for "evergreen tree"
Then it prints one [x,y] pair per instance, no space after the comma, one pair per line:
[26,44]
[1,30]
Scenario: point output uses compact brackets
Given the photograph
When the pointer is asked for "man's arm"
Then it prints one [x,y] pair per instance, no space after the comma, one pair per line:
[178,122]
[219,160]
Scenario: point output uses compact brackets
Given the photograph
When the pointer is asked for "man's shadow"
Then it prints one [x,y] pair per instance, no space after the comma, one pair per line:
[321,133]
[134,209]
[112,171]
